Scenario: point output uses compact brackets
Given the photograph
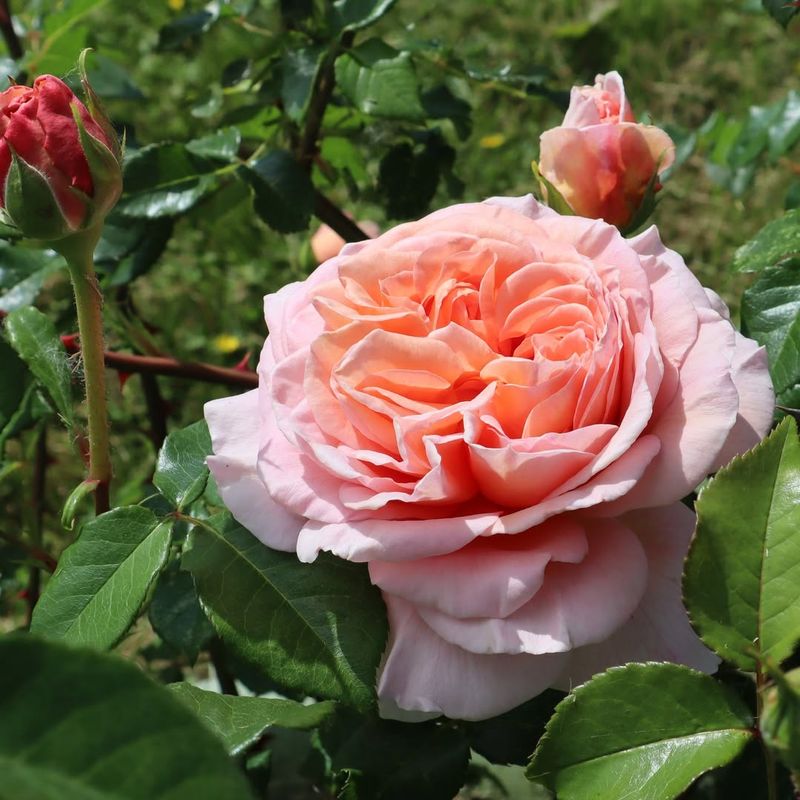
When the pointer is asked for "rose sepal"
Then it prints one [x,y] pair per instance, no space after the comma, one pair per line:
[105,168]
[96,109]
[31,205]
[549,195]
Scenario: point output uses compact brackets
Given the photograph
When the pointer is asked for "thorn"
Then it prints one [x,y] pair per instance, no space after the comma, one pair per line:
[244,364]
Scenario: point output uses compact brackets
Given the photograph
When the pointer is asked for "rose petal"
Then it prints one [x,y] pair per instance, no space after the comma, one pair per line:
[422,672]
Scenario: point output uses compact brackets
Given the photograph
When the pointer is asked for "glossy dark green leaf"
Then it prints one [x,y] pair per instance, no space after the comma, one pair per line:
[354,15]
[79,725]
[222,145]
[742,576]
[240,721]
[390,760]
[771,316]
[181,471]
[284,194]
[176,615]
[511,737]
[380,82]
[780,11]
[441,103]
[23,271]
[319,628]
[34,337]
[103,578]
[642,730]
[163,180]
[299,69]
[129,248]
[408,176]
[775,242]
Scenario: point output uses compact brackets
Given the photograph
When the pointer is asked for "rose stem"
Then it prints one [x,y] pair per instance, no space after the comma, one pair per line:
[78,250]
[769,758]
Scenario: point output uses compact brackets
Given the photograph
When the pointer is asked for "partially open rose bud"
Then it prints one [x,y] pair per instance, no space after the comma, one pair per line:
[60,162]
[601,161]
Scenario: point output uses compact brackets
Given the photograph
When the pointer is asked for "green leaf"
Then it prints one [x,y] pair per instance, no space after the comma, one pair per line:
[775,242]
[33,336]
[79,725]
[103,578]
[354,15]
[129,248]
[181,471]
[780,11]
[510,737]
[408,176]
[771,316]
[164,180]
[642,730]
[284,194]
[394,760]
[742,575]
[549,194]
[240,721]
[441,103]
[299,69]
[380,82]
[320,628]
[222,145]
[176,615]
[23,271]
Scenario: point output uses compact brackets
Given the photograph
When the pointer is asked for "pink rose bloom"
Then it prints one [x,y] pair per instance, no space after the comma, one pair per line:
[600,159]
[326,243]
[498,409]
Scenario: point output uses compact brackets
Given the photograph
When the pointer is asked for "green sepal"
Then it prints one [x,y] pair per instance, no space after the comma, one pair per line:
[549,195]
[646,207]
[76,497]
[95,107]
[30,203]
[104,167]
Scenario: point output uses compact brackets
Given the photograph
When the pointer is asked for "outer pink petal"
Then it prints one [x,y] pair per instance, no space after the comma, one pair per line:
[694,426]
[756,399]
[491,577]
[392,540]
[422,672]
[659,629]
[233,423]
[578,603]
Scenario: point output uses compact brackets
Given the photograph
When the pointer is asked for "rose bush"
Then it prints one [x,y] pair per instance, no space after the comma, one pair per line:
[499,409]
[70,177]
[600,159]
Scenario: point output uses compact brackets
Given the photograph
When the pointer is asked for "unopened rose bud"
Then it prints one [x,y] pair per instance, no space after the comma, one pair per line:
[326,243]
[60,163]
[601,161]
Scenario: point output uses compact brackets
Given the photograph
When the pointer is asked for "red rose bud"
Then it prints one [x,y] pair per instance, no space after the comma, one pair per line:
[600,161]
[60,163]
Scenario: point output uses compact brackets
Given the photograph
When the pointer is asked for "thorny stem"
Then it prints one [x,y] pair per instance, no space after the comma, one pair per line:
[78,250]
[162,365]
